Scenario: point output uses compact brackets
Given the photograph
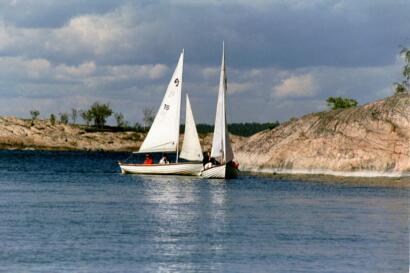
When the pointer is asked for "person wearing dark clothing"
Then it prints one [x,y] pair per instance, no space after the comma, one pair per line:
[214,161]
[207,158]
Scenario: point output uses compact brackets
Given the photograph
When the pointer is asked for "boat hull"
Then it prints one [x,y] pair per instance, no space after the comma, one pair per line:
[224,171]
[174,168]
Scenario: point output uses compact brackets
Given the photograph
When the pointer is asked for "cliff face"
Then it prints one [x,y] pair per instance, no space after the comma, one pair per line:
[372,137]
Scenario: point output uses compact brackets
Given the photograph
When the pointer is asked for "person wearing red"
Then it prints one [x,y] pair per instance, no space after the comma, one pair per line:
[148,159]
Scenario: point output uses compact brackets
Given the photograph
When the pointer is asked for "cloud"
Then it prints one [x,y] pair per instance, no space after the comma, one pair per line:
[52,14]
[239,87]
[63,54]
[296,86]
[287,34]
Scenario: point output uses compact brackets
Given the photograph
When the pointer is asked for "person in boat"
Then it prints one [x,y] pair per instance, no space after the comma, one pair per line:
[206,159]
[233,164]
[148,159]
[209,161]
[164,159]
[214,161]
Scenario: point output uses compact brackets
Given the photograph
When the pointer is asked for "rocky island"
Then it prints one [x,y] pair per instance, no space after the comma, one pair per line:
[17,133]
[40,134]
[369,140]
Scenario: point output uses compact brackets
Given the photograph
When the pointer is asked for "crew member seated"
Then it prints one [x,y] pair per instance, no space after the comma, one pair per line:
[207,158]
[164,159]
[214,161]
[148,159]
[209,161]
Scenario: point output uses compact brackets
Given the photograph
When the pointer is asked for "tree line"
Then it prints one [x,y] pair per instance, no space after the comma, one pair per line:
[96,116]
[241,129]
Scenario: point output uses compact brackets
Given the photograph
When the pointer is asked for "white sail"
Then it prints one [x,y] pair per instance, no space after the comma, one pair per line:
[221,145]
[163,135]
[191,147]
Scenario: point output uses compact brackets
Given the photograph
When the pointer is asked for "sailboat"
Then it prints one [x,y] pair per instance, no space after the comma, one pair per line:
[163,136]
[221,145]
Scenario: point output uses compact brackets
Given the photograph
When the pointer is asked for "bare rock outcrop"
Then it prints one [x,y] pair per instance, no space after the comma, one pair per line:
[17,133]
[372,137]
[22,134]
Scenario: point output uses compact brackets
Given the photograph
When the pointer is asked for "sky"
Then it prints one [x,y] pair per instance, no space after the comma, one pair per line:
[284,57]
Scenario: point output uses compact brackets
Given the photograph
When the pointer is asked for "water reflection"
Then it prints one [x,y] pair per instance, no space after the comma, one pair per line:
[189,216]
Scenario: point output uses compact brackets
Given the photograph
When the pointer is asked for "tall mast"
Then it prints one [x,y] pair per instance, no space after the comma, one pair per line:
[179,116]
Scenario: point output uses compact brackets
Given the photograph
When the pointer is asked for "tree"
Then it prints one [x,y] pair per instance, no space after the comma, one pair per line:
[74,113]
[119,118]
[341,103]
[87,117]
[138,127]
[100,112]
[404,86]
[34,114]
[148,116]
[63,118]
[52,119]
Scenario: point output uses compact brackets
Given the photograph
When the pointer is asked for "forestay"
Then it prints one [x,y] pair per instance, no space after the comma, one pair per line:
[191,147]
[164,133]
[221,146]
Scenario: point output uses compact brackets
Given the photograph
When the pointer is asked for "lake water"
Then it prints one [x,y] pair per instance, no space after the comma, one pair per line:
[74,212]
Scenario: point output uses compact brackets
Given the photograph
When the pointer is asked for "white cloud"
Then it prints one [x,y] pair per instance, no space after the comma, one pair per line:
[210,72]
[95,34]
[296,86]
[236,87]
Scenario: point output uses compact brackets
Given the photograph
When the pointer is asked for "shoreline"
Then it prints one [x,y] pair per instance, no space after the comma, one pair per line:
[396,182]
[359,174]
[365,178]
[331,177]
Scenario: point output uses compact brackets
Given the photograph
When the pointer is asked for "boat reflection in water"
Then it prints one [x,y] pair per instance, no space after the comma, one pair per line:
[187,219]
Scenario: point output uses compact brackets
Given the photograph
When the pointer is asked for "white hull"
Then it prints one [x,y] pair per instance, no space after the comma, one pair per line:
[221,171]
[174,168]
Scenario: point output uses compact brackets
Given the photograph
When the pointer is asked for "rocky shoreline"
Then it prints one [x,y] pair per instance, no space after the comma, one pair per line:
[372,140]
[382,181]
[17,133]
[22,134]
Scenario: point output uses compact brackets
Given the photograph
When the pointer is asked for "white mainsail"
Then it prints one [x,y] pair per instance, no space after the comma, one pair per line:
[163,135]
[221,145]
[191,147]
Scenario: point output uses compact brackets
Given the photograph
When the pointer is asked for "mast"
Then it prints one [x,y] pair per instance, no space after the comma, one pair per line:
[221,147]
[179,115]
[223,78]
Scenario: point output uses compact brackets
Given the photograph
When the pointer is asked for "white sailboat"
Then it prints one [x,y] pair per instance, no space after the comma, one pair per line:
[221,145]
[163,135]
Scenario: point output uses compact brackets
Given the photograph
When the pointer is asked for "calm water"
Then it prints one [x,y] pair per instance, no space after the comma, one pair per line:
[74,212]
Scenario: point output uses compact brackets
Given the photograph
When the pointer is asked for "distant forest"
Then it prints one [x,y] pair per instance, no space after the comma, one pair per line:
[240,129]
